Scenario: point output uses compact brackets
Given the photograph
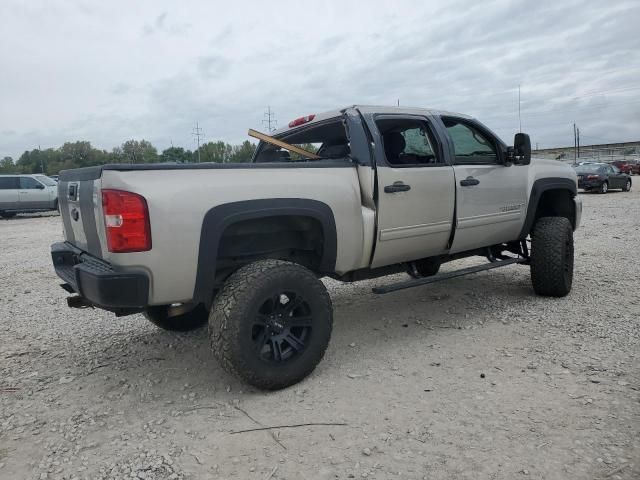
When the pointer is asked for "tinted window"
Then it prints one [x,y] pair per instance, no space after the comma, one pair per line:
[29,183]
[9,183]
[407,142]
[471,145]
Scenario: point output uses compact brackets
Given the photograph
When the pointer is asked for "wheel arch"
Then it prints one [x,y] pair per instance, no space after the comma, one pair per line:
[550,197]
[228,217]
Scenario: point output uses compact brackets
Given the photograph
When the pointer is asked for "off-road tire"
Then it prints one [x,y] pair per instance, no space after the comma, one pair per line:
[604,187]
[627,186]
[552,257]
[184,322]
[238,304]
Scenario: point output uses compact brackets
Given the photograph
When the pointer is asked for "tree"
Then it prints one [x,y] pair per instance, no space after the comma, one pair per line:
[7,165]
[242,153]
[142,151]
[176,155]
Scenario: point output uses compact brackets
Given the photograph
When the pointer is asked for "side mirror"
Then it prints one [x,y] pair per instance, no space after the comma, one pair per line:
[522,149]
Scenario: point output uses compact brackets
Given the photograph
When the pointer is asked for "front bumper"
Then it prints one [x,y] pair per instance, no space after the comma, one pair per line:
[98,281]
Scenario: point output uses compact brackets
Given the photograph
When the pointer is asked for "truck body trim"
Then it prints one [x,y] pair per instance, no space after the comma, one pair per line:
[539,187]
[217,219]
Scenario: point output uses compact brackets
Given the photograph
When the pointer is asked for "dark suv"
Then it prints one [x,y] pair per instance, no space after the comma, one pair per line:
[601,177]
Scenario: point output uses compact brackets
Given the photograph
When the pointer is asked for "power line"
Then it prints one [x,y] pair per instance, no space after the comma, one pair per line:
[269,119]
[197,132]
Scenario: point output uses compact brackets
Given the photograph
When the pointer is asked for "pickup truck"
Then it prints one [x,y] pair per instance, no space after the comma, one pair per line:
[351,194]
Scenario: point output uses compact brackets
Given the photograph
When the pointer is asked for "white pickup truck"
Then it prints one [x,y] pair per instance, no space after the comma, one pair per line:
[244,246]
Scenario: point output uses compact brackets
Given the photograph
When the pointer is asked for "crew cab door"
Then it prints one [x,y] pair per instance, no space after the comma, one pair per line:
[33,194]
[415,189]
[491,198]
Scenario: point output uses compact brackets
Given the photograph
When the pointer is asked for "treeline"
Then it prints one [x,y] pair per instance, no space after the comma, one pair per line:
[81,154]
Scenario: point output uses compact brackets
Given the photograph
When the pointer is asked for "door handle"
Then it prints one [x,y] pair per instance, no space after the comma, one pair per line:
[397,187]
[469,182]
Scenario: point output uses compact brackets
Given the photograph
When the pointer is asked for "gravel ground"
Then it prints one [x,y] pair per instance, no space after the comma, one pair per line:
[476,378]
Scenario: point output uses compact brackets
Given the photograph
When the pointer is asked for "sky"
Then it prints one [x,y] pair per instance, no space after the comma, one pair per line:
[111,71]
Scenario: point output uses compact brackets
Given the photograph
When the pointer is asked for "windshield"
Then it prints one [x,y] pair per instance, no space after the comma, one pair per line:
[49,182]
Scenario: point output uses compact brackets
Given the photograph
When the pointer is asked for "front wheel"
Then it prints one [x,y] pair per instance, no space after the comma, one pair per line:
[627,186]
[552,257]
[604,187]
[271,323]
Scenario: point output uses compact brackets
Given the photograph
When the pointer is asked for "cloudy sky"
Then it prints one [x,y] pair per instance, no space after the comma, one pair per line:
[110,71]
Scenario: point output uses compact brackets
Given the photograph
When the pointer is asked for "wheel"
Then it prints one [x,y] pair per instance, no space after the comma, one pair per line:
[426,267]
[627,186]
[552,257]
[604,187]
[271,323]
[182,318]
[7,214]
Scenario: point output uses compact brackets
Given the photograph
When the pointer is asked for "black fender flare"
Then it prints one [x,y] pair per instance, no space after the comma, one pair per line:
[217,219]
[539,187]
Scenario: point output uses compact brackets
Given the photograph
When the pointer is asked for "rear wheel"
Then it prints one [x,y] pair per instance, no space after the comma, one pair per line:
[552,257]
[271,323]
[182,318]
[604,187]
[627,186]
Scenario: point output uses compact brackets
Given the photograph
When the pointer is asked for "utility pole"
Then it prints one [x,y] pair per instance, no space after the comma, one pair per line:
[41,160]
[519,117]
[269,119]
[575,145]
[398,102]
[197,132]
[578,142]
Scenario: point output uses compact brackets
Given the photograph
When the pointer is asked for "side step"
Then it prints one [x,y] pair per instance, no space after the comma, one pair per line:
[446,276]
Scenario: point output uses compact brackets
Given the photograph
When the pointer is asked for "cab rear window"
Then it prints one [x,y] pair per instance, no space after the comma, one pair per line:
[9,183]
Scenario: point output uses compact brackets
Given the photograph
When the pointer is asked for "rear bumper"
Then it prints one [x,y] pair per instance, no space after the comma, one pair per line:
[98,281]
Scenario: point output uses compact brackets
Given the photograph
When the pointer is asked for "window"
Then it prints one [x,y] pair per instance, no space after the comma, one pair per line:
[614,169]
[327,139]
[49,182]
[9,183]
[471,145]
[29,183]
[407,142]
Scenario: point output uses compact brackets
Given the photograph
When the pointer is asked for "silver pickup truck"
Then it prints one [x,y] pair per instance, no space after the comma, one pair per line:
[351,194]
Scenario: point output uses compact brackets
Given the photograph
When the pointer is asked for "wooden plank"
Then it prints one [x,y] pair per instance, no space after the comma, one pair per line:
[279,143]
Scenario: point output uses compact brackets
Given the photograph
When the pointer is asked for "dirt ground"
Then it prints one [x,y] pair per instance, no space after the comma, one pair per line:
[475,378]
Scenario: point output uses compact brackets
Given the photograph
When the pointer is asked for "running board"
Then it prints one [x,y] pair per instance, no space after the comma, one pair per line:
[446,276]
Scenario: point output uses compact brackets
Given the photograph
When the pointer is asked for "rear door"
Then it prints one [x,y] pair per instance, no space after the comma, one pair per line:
[617,179]
[491,198]
[9,198]
[415,190]
[33,194]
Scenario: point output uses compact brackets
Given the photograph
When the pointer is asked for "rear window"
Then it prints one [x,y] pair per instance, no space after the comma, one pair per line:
[9,183]
[588,168]
[327,139]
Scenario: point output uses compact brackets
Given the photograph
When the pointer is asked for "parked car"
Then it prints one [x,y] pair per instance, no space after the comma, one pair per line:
[602,177]
[623,165]
[635,167]
[388,190]
[27,193]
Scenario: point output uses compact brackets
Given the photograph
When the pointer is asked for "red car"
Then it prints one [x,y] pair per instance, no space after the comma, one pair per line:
[623,166]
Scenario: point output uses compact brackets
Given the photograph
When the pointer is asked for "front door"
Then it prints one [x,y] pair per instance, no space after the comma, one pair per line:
[415,191]
[617,179]
[491,197]
[33,194]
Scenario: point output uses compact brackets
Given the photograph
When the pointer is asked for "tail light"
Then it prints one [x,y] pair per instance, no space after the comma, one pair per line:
[126,220]
[592,177]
